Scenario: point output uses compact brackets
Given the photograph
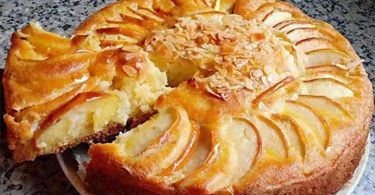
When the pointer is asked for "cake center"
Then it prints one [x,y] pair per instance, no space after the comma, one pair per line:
[225,52]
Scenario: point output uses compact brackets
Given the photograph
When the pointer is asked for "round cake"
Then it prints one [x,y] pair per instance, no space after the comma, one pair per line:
[225,97]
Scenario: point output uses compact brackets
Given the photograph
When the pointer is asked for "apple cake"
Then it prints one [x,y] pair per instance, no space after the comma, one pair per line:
[249,96]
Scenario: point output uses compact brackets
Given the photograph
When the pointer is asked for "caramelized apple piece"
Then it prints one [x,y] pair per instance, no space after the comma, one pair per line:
[292,25]
[303,146]
[325,75]
[272,90]
[322,57]
[196,157]
[42,42]
[293,133]
[275,144]
[127,29]
[275,17]
[185,156]
[327,87]
[312,124]
[135,141]
[248,143]
[327,68]
[329,71]
[76,101]
[284,23]
[237,147]
[216,172]
[299,34]
[314,43]
[166,149]
[329,109]
[85,115]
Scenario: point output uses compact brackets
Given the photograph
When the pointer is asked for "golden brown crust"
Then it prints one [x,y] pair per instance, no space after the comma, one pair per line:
[239,122]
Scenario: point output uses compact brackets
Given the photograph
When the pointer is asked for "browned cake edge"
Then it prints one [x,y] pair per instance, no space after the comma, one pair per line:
[326,182]
[110,129]
[28,152]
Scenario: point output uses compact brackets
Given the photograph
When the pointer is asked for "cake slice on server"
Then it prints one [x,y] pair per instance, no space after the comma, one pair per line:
[58,95]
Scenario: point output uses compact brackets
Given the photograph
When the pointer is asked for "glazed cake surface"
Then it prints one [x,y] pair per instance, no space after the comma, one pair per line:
[251,97]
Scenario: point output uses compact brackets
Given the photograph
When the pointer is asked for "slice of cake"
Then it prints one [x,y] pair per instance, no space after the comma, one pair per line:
[58,96]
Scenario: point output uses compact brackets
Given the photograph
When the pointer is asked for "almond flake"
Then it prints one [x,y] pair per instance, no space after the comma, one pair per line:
[130,56]
[131,48]
[130,71]
[257,73]
[240,62]
[212,92]
[257,37]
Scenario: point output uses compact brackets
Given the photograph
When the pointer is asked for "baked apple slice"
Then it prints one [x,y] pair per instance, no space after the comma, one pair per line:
[329,72]
[322,57]
[299,34]
[328,69]
[294,135]
[275,144]
[161,152]
[135,141]
[213,175]
[273,93]
[314,43]
[290,25]
[332,111]
[327,87]
[191,159]
[275,17]
[312,123]
[95,110]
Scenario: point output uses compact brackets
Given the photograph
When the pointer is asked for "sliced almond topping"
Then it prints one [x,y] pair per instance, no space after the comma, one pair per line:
[132,55]
[130,71]
[257,37]
[131,48]
[248,84]
[200,40]
[240,62]
[257,73]
[226,48]
[212,92]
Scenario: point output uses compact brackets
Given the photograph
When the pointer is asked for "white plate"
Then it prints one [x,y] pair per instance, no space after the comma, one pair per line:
[69,164]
